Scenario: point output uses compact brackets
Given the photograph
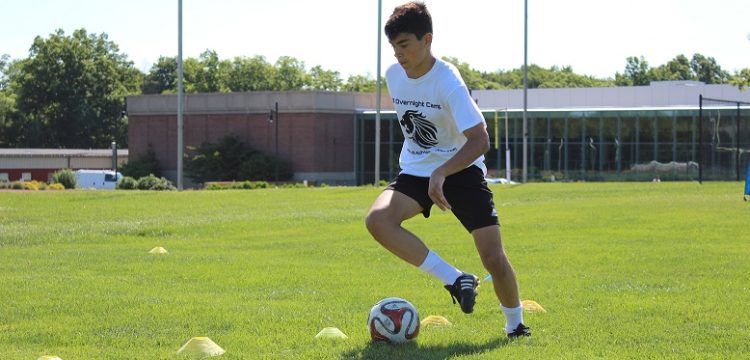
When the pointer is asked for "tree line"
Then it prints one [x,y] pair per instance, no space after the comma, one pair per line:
[70,91]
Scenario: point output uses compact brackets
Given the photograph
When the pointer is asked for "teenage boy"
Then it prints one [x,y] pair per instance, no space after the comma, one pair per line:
[442,163]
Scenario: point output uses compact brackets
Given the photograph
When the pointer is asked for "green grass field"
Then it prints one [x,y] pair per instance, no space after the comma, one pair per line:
[624,270]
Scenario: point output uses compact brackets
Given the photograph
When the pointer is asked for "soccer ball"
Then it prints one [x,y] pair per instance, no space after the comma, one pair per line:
[393,320]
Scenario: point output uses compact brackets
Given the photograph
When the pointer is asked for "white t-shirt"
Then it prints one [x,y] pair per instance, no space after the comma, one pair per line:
[434,111]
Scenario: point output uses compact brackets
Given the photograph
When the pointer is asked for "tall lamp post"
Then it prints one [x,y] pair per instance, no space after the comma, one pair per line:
[525,88]
[273,117]
[377,99]
[180,147]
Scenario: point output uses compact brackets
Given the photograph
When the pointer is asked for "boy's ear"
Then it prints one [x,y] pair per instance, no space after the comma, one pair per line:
[428,38]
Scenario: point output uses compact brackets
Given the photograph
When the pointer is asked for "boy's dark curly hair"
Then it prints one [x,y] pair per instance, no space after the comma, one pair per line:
[411,17]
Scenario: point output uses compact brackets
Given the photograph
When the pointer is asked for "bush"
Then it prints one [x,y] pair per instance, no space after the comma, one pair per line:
[163,184]
[17,185]
[216,162]
[66,177]
[245,185]
[56,186]
[142,166]
[229,160]
[250,185]
[34,185]
[128,183]
[152,182]
[147,182]
[262,167]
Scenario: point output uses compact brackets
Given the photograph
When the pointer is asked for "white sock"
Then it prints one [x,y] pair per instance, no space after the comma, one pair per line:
[513,317]
[436,266]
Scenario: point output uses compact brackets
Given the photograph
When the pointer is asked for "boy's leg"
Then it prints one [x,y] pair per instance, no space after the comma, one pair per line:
[490,247]
[384,220]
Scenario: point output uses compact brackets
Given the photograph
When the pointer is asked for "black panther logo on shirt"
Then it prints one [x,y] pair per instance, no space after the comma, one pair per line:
[419,129]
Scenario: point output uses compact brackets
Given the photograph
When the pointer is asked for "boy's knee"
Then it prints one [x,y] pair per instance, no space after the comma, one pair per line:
[496,263]
[373,221]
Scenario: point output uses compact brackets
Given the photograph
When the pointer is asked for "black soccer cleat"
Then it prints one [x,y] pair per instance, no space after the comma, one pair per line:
[521,330]
[464,290]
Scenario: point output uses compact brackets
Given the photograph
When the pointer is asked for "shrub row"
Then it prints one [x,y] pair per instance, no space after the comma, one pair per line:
[30,185]
[249,185]
[149,182]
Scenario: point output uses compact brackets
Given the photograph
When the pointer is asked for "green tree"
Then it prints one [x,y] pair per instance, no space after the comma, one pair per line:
[4,63]
[209,73]
[511,79]
[675,69]
[190,69]
[7,102]
[162,78]
[321,79]
[7,113]
[473,78]
[251,74]
[741,79]
[361,83]
[707,70]
[70,92]
[290,74]
[212,74]
[565,77]
[636,73]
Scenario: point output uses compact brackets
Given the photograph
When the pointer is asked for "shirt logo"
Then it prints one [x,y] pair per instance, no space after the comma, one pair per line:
[419,129]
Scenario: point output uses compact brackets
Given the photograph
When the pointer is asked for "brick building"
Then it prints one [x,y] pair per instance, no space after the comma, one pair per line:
[316,130]
[590,134]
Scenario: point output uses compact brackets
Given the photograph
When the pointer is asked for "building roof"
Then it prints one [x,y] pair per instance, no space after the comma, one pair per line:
[256,102]
[61,152]
[656,95]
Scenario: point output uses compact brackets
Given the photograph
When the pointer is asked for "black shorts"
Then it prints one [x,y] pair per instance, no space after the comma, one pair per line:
[466,191]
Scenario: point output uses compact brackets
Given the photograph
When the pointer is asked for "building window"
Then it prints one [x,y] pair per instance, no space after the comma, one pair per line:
[26,176]
[4,177]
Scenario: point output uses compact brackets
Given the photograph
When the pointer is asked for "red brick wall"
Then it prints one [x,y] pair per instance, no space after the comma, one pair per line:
[312,142]
[36,174]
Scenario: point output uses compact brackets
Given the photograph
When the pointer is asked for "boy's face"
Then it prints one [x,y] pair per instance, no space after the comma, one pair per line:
[413,54]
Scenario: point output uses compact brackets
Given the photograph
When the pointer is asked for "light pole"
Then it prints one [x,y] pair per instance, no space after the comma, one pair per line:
[273,116]
[114,157]
[525,87]
[179,95]
[377,100]
[507,148]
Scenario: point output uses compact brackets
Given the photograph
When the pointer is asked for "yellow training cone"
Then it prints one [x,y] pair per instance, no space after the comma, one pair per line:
[200,346]
[532,306]
[48,357]
[331,333]
[158,250]
[435,320]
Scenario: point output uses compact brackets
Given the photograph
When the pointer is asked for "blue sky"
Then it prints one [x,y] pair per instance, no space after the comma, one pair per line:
[593,36]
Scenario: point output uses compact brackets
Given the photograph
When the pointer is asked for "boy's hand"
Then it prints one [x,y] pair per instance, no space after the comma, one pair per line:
[435,191]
